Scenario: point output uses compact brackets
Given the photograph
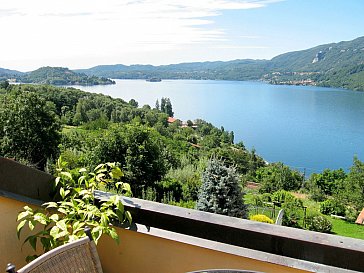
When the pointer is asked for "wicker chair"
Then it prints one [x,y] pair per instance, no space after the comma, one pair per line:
[78,256]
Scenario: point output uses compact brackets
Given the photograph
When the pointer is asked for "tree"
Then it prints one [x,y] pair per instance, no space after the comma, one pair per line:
[220,191]
[166,106]
[352,189]
[163,105]
[327,181]
[133,103]
[4,85]
[29,129]
[140,151]
[168,109]
[277,176]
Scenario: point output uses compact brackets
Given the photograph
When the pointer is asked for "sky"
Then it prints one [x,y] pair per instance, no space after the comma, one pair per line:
[86,33]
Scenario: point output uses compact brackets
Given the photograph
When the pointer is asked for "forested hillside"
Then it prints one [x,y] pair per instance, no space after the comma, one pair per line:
[61,76]
[336,64]
[7,74]
[156,156]
[189,163]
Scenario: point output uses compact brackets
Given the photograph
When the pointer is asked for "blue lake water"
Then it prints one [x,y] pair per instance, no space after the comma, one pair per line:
[307,128]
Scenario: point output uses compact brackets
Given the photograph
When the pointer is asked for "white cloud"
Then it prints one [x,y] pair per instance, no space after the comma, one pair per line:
[41,31]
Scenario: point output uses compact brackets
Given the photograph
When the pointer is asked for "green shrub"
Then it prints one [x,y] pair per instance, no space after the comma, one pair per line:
[261,218]
[283,196]
[316,194]
[257,200]
[351,214]
[292,215]
[266,197]
[331,206]
[319,223]
[170,186]
[293,208]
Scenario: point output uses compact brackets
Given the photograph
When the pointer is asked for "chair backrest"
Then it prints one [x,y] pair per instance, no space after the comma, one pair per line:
[280,217]
[77,256]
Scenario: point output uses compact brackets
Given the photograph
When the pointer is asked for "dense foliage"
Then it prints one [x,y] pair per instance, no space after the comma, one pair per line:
[161,161]
[64,221]
[29,128]
[175,162]
[277,176]
[326,183]
[341,193]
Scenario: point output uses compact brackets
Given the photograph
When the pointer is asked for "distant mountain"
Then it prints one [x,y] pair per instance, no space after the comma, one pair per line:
[7,74]
[231,70]
[60,76]
[336,64]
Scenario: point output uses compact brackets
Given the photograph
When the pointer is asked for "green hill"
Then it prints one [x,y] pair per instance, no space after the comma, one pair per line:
[336,65]
[61,76]
[7,74]
[231,70]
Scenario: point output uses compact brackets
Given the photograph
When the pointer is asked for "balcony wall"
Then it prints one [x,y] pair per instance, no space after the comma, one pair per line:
[167,239]
[11,249]
[148,251]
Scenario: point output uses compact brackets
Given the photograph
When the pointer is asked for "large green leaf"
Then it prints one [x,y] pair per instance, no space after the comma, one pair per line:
[20,227]
[22,215]
[116,173]
[67,175]
[114,235]
[62,225]
[128,216]
[54,231]
[41,218]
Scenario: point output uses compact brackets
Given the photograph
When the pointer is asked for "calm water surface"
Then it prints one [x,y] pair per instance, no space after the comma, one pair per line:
[307,128]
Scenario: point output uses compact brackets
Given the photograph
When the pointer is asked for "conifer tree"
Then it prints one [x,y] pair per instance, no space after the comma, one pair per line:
[220,191]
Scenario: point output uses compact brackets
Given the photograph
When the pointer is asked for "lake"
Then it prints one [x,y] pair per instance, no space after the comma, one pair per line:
[307,128]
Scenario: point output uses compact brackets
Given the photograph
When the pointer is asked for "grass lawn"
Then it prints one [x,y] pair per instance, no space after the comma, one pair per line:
[343,228]
[339,227]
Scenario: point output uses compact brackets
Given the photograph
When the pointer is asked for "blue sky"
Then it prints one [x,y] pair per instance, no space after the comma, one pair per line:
[82,34]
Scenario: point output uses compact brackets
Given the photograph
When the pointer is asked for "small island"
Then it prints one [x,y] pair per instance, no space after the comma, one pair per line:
[154,80]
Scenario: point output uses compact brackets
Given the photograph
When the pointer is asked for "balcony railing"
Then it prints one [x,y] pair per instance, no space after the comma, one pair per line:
[170,239]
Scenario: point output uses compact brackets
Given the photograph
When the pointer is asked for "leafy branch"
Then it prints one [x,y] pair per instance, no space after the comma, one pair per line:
[64,221]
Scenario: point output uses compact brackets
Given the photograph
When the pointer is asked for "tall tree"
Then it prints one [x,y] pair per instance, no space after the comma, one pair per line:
[352,190]
[166,106]
[29,129]
[163,105]
[220,191]
[168,109]
[157,105]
